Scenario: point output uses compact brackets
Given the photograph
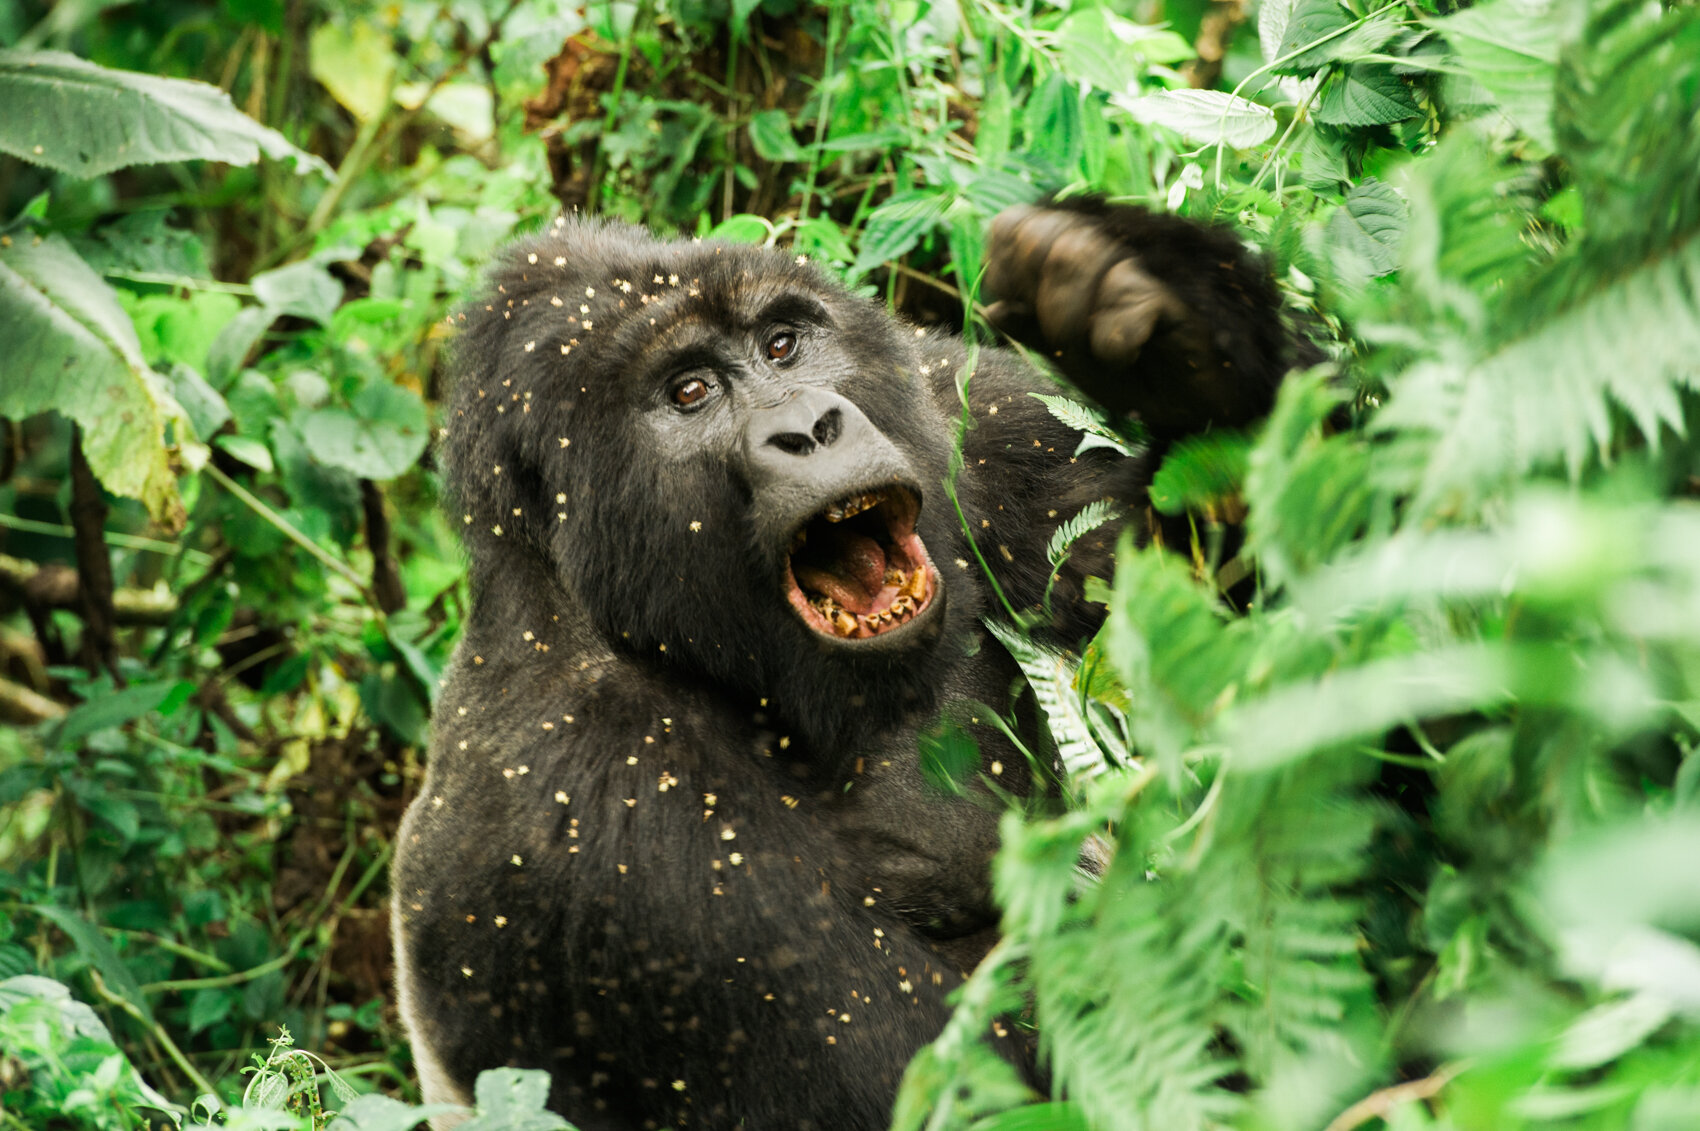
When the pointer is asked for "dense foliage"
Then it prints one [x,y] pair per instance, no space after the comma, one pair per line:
[1404,811]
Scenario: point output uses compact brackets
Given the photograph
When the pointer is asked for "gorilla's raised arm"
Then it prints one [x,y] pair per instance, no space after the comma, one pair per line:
[1145,312]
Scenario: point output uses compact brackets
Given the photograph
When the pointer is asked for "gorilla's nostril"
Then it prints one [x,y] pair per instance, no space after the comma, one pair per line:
[827,428]
[793,443]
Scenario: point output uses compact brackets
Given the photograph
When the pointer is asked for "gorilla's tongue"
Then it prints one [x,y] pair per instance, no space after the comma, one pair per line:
[846,566]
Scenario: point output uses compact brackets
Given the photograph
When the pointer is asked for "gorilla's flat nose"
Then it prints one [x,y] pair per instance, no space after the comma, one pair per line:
[811,420]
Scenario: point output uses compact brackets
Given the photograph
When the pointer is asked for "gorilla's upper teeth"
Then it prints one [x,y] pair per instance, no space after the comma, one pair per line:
[849,508]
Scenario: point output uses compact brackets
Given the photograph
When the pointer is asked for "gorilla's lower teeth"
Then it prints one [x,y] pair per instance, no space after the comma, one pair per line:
[915,585]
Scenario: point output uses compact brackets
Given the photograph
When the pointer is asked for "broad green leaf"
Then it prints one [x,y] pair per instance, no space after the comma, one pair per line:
[374,1112]
[247,449]
[206,408]
[898,225]
[355,62]
[513,1099]
[1511,48]
[1090,51]
[1201,471]
[1059,1115]
[742,228]
[114,708]
[821,236]
[1370,226]
[72,350]
[379,436]
[1302,25]
[770,135]
[75,117]
[92,945]
[1051,121]
[304,289]
[1205,117]
[1273,16]
[1366,94]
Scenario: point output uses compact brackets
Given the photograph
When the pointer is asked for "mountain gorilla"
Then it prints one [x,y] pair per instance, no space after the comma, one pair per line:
[674,845]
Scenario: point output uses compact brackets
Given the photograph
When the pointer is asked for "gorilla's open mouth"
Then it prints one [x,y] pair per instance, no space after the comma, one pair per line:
[858,569]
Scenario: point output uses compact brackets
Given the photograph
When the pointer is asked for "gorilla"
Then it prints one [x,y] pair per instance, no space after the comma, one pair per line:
[674,845]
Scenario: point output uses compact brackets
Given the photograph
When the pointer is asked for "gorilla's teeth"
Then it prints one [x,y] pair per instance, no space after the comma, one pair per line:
[838,512]
[894,576]
[915,585]
[798,540]
[844,623]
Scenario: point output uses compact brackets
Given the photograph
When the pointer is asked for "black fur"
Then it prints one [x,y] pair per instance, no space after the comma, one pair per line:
[673,846]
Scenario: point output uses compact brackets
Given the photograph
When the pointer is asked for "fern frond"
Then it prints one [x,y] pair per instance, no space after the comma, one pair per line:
[1085,419]
[1089,518]
[1547,396]
[1051,675]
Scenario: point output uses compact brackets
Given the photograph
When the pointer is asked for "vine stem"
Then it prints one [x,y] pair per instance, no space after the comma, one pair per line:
[834,24]
[288,530]
[154,1029]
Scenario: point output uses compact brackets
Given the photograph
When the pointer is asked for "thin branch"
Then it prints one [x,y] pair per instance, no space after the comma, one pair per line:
[288,530]
[1376,1105]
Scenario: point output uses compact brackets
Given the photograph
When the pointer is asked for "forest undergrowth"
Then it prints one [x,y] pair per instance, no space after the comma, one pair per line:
[1401,786]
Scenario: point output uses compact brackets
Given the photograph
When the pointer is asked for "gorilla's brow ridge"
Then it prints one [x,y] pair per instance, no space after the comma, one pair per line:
[794,306]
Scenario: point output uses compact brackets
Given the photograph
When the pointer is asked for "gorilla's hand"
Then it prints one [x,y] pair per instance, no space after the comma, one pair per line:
[1144,312]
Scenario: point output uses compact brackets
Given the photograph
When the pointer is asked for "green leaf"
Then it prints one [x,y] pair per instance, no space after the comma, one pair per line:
[1366,94]
[247,449]
[355,62]
[770,136]
[1547,395]
[949,757]
[1060,1115]
[1201,471]
[1090,51]
[72,350]
[206,408]
[1511,48]
[820,236]
[75,117]
[1087,419]
[896,226]
[304,289]
[1370,226]
[115,708]
[742,228]
[379,436]
[1304,24]
[513,1099]
[374,1112]
[1205,117]
[92,945]
[207,1007]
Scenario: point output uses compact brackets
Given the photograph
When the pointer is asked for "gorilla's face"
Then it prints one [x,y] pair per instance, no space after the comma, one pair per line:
[738,458]
[833,500]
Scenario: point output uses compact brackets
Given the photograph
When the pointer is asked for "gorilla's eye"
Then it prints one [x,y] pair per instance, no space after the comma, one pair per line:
[782,345]
[690,392]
